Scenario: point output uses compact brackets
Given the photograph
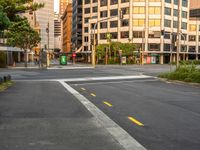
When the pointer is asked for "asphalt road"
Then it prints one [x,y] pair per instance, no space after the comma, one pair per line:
[169,113]
[44,116]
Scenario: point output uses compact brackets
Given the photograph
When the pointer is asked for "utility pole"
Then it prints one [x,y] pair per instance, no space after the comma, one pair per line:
[178,33]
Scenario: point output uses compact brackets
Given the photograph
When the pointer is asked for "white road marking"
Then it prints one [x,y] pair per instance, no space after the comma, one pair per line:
[125,139]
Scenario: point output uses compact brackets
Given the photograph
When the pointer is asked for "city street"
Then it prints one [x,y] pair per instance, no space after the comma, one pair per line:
[110,107]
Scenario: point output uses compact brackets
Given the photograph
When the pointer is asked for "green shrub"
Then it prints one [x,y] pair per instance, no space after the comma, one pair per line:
[195,76]
[2,59]
[187,80]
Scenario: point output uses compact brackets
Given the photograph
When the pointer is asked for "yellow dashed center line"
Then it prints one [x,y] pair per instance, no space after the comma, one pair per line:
[135,121]
[108,104]
[92,94]
[83,89]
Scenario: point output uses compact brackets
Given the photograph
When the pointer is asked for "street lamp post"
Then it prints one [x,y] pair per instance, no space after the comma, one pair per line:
[178,34]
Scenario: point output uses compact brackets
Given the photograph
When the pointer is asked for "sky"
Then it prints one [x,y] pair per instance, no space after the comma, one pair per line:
[56,5]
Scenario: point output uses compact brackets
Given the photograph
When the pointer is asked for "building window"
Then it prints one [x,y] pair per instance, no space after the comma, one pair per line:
[154,34]
[86,29]
[192,38]
[175,13]
[184,37]
[94,9]
[103,25]
[167,47]
[114,35]
[184,14]
[87,1]
[80,10]
[192,27]
[191,49]
[154,47]
[154,22]
[167,23]
[86,39]
[87,10]
[184,25]
[138,22]
[167,11]
[176,2]
[175,24]
[125,34]
[94,1]
[124,22]
[184,3]
[125,10]
[125,1]
[183,48]
[113,24]
[103,3]
[138,10]
[102,36]
[85,48]
[113,2]
[154,10]
[103,14]
[139,0]
[154,0]
[199,49]
[168,1]
[114,12]
[86,20]
[138,34]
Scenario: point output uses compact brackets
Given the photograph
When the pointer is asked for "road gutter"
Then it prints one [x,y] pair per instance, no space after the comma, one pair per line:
[124,138]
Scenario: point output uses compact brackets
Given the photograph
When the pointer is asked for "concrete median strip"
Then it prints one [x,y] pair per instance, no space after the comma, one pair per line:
[125,139]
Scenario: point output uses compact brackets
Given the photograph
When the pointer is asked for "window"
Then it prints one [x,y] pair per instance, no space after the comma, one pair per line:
[124,1]
[154,0]
[184,3]
[192,49]
[114,12]
[86,29]
[192,27]
[87,1]
[184,14]
[184,25]
[138,34]
[94,9]
[168,1]
[167,23]
[80,10]
[138,22]
[125,10]
[176,2]
[124,22]
[125,34]
[175,24]
[154,47]
[167,47]
[94,1]
[86,39]
[138,10]
[139,0]
[113,24]
[199,38]
[87,10]
[103,14]
[167,35]
[103,3]
[154,10]
[183,48]
[154,34]
[183,37]
[154,22]
[192,38]
[103,25]
[102,36]
[175,13]
[113,2]
[114,35]
[167,11]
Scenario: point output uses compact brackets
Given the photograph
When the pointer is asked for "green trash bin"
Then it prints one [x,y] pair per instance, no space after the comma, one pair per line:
[63,60]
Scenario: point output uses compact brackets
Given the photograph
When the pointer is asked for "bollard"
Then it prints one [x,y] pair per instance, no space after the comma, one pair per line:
[4,79]
[1,80]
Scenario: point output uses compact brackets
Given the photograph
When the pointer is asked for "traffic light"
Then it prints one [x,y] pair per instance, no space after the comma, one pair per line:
[121,14]
[162,32]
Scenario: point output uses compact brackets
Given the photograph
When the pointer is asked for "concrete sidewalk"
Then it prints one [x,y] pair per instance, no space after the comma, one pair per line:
[44,116]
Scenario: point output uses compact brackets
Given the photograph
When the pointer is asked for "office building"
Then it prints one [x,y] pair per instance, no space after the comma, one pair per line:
[57,32]
[142,24]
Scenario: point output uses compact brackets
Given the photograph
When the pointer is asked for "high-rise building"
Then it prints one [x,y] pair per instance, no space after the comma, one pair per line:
[57,31]
[63,5]
[67,28]
[143,24]
[45,18]
[77,25]
[194,8]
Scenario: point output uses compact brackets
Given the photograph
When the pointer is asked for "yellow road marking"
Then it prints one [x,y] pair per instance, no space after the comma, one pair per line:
[135,121]
[92,94]
[83,89]
[108,104]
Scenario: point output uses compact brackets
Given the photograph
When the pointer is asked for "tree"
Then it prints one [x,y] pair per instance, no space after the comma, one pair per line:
[23,36]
